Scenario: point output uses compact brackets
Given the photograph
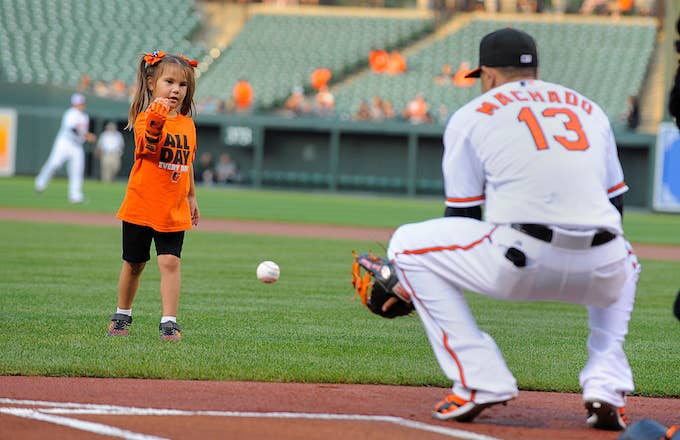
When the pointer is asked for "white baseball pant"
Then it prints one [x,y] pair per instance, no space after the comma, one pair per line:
[62,151]
[437,259]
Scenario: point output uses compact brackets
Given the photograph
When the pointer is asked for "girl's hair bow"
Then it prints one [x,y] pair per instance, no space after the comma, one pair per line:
[154,57]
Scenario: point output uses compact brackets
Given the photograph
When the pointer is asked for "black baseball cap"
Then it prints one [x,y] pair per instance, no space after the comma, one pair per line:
[504,48]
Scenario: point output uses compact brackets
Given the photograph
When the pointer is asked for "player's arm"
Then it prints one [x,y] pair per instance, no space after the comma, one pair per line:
[469,211]
[149,132]
[615,181]
[74,124]
[463,175]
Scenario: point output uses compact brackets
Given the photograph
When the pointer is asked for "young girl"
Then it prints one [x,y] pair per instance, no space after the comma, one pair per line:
[160,201]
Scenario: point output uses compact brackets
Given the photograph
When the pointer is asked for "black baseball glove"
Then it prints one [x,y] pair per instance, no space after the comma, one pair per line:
[378,287]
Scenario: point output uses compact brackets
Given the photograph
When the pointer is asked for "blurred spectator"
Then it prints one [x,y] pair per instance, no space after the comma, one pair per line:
[101,89]
[443,114]
[633,113]
[85,83]
[363,113]
[296,104]
[417,110]
[229,105]
[488,5]
[325,102]
[445,77]
[527,6]
[377,60]
[319,78]
[222,104]
[118,89]
[459,78]
[396,64]
[622,7]
[376,111]
[226,170]
[109,149]
[203,172]
[388,109]
[243,96]
[207,105]
[597,7]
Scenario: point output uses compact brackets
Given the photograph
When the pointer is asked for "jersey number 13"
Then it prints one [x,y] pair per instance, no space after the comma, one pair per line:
[573,124]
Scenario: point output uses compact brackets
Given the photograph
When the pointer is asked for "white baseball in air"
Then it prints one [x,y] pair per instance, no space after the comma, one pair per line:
[268,272]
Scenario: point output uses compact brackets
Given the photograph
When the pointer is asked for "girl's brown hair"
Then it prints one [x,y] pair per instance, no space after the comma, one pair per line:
[150,66]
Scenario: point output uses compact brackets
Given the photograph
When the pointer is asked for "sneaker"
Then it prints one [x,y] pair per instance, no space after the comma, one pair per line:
[457,408]
[119,325]
[603,415]
[170,331]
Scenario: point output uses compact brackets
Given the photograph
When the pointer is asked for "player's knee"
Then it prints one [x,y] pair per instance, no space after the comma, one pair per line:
[168,263]
[396,243]
[136,268]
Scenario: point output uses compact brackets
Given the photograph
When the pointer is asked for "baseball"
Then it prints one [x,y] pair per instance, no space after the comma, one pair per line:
[268,272]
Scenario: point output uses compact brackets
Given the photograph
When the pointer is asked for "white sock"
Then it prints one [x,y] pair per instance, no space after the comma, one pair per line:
[127,312]
[168,318]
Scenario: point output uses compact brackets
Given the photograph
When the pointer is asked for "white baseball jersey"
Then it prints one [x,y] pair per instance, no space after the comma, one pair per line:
[536,152]
[74,125]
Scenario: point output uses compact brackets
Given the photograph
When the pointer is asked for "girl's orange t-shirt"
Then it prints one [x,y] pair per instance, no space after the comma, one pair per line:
[159,183]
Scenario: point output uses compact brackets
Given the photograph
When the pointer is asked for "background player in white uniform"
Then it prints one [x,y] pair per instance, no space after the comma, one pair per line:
[543,160]
[110,150]
[68,146]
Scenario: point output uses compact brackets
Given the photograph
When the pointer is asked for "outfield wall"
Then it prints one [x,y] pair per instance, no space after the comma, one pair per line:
[302,153]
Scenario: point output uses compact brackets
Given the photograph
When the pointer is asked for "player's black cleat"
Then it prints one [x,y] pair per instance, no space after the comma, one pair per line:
[170,331]
[119,325]
[603,415]
[461,410]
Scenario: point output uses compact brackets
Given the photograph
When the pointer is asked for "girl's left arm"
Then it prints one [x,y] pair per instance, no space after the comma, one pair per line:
[191,197]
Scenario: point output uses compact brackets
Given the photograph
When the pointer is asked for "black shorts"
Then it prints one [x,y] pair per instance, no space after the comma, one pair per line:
[137,243]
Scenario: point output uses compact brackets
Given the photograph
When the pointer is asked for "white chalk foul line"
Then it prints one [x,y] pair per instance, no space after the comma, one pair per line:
[97,409]
[97,428]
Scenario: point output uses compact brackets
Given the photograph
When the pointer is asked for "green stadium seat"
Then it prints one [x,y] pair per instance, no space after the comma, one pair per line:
[46,34]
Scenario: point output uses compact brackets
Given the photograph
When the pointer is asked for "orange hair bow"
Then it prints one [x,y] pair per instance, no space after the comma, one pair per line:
[192,63]
[154,57]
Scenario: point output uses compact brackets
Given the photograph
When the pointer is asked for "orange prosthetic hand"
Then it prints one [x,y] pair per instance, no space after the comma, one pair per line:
[155,119]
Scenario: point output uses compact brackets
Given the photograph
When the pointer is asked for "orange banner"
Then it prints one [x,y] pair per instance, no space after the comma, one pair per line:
[8,119]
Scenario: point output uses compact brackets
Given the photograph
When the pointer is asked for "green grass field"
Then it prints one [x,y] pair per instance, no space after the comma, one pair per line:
[58,285]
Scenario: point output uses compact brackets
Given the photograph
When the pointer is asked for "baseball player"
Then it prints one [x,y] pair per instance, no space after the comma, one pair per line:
[68,146]
[543,160]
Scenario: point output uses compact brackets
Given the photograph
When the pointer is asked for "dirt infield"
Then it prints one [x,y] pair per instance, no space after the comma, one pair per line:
[87,408]
[76,408]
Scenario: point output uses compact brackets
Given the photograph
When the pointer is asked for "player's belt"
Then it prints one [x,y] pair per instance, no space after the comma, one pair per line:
[544,233]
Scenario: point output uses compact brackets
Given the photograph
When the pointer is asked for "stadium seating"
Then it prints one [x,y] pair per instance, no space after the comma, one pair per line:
[278,52]
[57,41]
[605,61]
